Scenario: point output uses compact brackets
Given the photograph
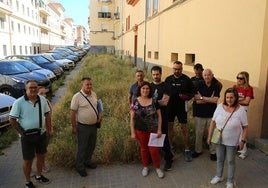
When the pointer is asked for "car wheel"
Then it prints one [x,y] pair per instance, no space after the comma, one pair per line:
[8,91]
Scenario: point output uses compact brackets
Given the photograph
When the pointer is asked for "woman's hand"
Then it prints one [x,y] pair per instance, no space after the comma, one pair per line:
[133,136]
[241,145]
[209,141]
[159,133]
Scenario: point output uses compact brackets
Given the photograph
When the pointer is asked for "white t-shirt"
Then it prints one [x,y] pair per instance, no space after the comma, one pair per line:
[233,128]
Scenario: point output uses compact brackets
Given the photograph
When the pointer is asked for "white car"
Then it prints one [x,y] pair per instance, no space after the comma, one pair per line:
[6,103]
[65,64]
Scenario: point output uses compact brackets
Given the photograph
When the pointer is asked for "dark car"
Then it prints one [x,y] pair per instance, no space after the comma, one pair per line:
[13,77]
[36,68]
[6,103]
[67,55]
[41,61]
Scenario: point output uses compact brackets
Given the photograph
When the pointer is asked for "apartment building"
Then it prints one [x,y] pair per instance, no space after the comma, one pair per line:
[226,36]
[33,26]
[101,23]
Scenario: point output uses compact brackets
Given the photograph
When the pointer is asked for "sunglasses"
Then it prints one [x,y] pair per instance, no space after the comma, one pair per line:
[240,78]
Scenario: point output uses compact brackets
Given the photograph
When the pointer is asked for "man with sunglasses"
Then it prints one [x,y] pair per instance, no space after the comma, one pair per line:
[30,116]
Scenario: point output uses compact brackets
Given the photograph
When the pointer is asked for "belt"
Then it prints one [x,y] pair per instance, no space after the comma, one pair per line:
[86,124]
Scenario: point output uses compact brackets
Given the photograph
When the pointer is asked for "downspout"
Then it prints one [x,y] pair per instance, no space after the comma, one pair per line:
[145,32]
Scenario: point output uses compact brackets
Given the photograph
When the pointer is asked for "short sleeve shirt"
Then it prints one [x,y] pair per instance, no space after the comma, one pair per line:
[232,131]
[27,113]
[243,93]
[85,112]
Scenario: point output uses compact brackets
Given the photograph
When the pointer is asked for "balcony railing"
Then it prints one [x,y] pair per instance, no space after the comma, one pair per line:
[104,14]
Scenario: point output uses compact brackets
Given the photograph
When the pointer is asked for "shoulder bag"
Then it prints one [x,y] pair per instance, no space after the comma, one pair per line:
[217,134]
[98,124]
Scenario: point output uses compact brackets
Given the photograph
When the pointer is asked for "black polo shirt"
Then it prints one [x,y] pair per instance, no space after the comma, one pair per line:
[206,110]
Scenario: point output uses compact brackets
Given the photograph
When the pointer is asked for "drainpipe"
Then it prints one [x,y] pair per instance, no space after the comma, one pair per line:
[145,32]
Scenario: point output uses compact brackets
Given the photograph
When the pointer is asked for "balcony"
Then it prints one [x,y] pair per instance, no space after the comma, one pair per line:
[5,7]
[43,11]
[104,14]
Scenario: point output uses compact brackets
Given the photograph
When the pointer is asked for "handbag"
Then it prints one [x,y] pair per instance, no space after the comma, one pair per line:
[217,133]
[97,124]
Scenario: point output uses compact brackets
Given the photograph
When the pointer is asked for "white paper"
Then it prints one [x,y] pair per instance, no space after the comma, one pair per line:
[99,106]
[156,142]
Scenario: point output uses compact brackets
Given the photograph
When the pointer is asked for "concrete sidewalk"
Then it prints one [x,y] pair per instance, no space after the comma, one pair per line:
[251,172]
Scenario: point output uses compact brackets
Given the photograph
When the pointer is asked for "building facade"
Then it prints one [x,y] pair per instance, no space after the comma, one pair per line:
[33,26]
[225,36]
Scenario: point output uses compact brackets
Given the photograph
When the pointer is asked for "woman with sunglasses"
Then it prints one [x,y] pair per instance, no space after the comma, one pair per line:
[245,93]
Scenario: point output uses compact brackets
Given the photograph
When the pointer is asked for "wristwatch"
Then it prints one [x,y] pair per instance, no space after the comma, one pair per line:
[243,141]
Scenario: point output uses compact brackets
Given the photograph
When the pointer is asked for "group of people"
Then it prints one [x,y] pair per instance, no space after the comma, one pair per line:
[154,107]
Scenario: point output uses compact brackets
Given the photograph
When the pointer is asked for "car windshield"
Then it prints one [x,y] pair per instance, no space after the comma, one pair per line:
[57,56]
[12,68]
[29,65]
[40,60]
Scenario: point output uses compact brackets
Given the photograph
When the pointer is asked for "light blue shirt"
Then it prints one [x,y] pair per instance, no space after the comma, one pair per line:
[27,113]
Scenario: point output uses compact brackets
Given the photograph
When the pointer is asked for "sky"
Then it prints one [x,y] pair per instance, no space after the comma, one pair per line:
[76,9]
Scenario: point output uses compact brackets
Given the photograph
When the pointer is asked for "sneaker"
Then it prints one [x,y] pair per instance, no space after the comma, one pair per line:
[216,180]
[213,157]
[229,185]
[91,165]
[29,185]
[82,173]
[195,154]
[145,171]
[242,156]
[42,179]
[160,173]
[188,156]
[168,166]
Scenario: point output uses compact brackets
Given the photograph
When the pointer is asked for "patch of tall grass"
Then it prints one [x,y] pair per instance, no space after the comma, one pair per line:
[111,81]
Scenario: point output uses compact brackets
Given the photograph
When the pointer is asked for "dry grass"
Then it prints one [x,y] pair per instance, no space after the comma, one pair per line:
[111,81]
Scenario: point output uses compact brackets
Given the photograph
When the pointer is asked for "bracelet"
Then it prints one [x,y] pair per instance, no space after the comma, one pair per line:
[243,141]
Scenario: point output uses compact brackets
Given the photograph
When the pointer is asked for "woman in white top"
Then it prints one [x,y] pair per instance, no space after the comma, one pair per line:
[236,117]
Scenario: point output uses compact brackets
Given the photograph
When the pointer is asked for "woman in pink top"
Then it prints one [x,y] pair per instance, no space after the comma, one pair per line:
[245,93]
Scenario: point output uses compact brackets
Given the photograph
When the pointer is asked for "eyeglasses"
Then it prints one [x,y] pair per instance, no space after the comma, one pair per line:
[177,69]
[32,87]
[240,78]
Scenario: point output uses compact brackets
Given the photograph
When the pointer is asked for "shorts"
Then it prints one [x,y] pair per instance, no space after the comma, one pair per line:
[33,144]
[181,115]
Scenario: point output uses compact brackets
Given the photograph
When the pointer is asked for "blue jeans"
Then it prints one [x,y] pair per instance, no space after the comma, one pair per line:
[227,152]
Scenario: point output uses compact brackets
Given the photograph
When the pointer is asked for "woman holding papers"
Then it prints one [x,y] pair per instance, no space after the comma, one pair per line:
[145,119]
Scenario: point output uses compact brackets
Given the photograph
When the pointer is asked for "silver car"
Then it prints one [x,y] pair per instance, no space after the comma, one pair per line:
[6,103]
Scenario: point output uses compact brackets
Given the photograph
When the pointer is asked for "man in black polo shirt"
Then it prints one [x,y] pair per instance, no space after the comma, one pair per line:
[207,93]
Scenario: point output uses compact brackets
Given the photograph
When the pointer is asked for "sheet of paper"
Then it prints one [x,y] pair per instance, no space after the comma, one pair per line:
[157,142]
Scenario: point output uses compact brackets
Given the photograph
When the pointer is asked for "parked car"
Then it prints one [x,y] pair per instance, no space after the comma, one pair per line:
[13,77]
[36,68]
[66,55]
[6,103]
[41,61]
[65,64]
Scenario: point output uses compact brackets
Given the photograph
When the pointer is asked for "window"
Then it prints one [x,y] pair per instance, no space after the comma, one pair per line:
[148,8]
[127,23]
[18,27]
[23,9]
[174,57]
[26,51]
[149,54]
[17,5]
[156,55]
[189,59]
[2,23]
[155,6]
[24,29]
[5,50]
[14,49]
[20,50]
